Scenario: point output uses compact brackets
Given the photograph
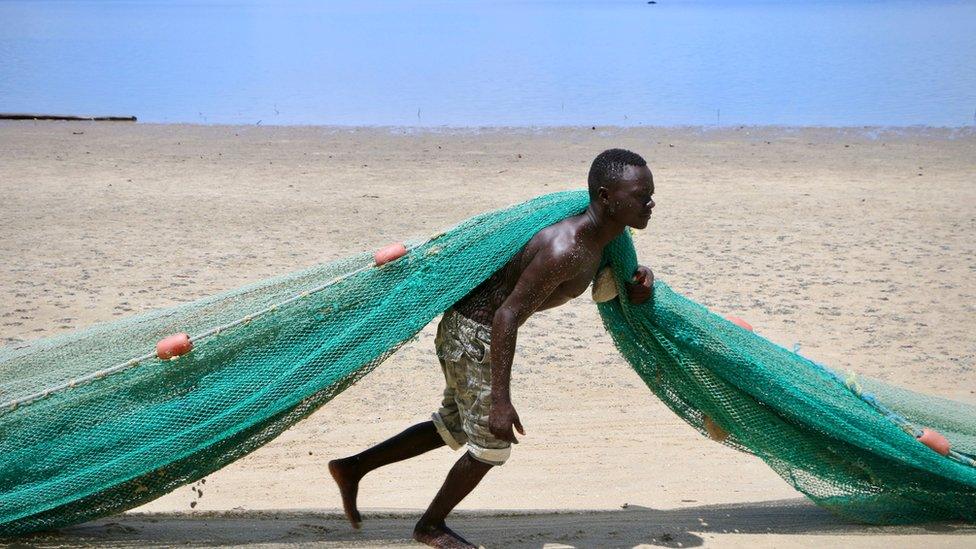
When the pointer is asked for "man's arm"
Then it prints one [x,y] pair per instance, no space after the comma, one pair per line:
[544,274]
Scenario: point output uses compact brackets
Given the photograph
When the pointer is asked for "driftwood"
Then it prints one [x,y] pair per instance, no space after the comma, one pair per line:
[28,116]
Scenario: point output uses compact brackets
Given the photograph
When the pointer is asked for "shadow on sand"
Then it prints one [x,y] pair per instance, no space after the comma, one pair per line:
[627,527]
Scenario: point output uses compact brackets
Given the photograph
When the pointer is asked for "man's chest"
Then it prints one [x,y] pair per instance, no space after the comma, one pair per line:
[576,285]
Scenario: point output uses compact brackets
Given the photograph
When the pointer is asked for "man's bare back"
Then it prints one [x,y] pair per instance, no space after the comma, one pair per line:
[556,265]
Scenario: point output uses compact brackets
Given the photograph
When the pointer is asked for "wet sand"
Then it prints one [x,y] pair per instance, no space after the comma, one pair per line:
[857,244]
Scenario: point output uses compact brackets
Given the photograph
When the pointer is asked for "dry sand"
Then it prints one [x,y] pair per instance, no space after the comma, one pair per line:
[858,244]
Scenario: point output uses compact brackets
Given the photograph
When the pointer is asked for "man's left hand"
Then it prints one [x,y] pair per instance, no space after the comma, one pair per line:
[641,288]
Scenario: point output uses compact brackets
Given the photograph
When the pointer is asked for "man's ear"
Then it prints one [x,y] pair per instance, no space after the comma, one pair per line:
[604,194]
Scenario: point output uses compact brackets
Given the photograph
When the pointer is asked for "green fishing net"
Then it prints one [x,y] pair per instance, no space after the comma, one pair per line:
[93,423]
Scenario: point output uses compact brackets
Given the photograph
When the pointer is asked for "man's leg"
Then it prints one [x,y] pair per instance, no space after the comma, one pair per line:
[472,372]
[347,472]
[464,476]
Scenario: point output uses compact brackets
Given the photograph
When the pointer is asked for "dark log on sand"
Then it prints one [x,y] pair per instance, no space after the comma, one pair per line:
[28,116]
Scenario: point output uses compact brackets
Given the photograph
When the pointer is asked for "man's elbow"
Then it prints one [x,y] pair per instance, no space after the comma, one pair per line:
[505,318]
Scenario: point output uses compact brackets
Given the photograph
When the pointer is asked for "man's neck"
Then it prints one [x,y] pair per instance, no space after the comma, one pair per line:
[598,227]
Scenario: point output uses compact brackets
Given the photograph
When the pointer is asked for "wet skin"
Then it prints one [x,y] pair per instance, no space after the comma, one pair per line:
[555,266]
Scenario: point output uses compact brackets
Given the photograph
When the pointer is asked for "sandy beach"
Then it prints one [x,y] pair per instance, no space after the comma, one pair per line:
[855,243]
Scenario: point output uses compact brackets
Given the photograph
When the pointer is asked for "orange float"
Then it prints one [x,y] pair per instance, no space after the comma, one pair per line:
[739,322]
[387,254]
[173,346]
[715,432]
[935,441]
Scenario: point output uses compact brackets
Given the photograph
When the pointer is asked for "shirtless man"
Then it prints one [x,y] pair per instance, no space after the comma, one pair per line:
[556,265]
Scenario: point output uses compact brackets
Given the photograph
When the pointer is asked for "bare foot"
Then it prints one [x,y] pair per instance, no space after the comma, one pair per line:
[348,480]
[440,536]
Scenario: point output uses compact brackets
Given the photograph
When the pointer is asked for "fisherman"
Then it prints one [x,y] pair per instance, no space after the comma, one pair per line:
[556,265]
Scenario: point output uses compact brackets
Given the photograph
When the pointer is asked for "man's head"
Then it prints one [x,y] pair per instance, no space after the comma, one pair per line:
[622,184]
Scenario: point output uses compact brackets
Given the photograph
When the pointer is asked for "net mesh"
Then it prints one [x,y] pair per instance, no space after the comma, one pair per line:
[93,424]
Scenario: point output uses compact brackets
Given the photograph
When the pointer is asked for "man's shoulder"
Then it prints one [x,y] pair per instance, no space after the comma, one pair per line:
[556,245]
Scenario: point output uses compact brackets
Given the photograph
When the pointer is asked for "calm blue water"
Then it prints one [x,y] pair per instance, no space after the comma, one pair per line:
[480,62]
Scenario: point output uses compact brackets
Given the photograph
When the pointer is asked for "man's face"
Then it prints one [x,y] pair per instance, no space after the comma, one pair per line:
[629,200]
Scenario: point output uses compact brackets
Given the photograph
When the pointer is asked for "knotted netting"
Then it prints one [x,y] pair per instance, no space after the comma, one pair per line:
[93,423]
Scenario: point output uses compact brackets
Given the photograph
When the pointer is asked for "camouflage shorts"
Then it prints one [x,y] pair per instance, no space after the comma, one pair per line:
[464,350]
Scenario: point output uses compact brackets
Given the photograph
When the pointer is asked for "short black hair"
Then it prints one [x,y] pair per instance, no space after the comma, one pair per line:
[608,168]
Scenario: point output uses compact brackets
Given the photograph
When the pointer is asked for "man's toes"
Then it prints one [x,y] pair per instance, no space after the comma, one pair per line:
[442,537]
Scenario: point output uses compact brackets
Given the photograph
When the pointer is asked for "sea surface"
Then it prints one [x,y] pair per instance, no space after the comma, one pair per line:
[495,63]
